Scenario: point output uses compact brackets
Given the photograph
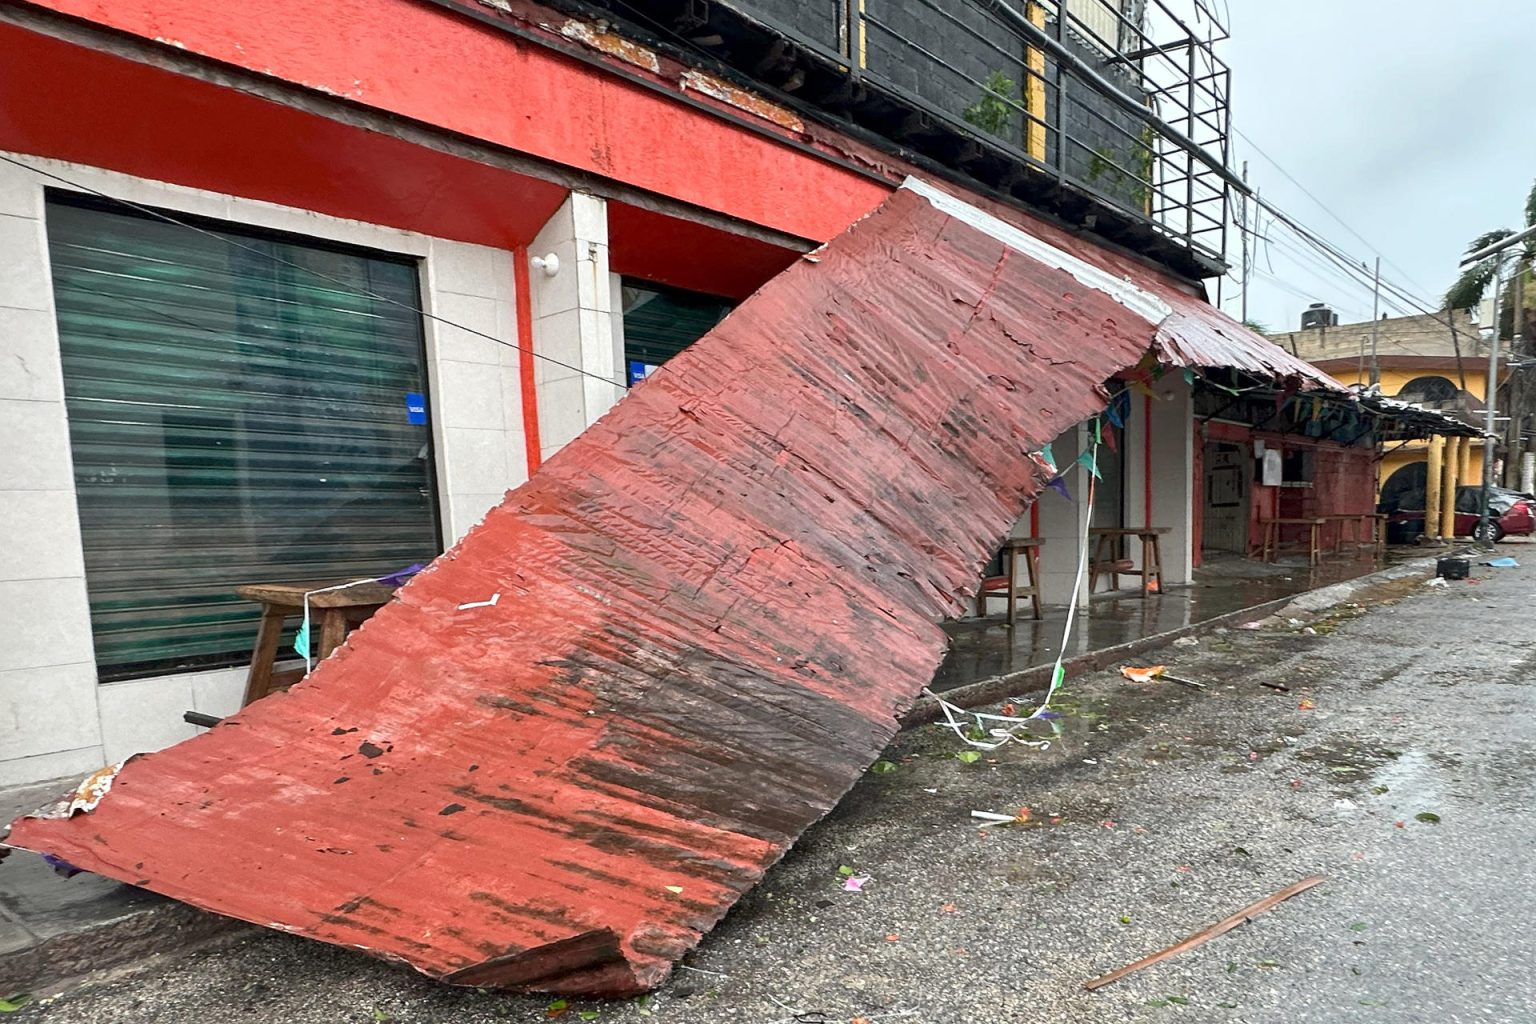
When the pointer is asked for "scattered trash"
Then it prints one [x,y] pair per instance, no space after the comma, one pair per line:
[855,883]
[993,816]
[1436,581]
[968,756]
[482,604]
[882,767]
[1309,631]
[1503,563]
[1307,704]
[1427,817]
[1201,937]
[1275,686]
[1186,641]
[1143,675]
[1251,625]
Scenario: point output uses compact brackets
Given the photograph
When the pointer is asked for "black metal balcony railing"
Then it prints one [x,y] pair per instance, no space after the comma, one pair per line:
[1074,105]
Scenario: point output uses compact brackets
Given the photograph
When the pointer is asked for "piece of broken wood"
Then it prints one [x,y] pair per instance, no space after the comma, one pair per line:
[1184,682]
[1275,686]
[1202,937]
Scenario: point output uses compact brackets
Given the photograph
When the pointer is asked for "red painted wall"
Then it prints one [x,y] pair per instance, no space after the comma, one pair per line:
[433,66]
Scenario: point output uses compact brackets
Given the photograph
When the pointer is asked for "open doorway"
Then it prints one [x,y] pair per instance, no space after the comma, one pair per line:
[1227,483]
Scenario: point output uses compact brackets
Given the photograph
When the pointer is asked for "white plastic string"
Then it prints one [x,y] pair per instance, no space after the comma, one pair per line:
[309,643]
[1005,729]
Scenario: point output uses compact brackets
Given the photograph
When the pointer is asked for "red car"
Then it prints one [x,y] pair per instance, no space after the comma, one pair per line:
[1511,514]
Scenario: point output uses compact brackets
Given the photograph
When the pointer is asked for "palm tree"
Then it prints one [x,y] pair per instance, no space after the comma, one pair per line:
[1472,285]
[1468,291]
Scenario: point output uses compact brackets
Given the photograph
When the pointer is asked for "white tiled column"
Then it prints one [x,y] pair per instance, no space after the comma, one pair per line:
[1172,460]
[475,395]
[49,721]
[1062,523]
[581,375]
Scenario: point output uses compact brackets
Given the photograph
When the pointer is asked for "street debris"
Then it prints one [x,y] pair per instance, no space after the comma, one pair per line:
[1187,641]
[1143,675]
[1205,935]
[1502,563]
[1436,581]
[1274,686]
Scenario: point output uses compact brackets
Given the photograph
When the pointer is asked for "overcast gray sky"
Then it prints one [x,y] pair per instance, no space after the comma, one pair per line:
[1413,121]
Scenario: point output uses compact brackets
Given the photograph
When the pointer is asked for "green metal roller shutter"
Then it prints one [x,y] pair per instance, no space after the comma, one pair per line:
[234,418]
[660,322]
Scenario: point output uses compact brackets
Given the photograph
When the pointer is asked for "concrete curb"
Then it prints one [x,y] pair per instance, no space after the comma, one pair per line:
[135,936]
[1038,677]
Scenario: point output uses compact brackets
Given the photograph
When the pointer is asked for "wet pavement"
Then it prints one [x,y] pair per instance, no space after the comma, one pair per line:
[986,648]
[1401,764]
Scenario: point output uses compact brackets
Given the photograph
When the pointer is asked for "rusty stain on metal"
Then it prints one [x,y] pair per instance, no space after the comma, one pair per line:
[741,99]
[612,44]
[713,606]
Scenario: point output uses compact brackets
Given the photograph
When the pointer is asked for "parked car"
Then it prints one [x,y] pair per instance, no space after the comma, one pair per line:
[1511,514]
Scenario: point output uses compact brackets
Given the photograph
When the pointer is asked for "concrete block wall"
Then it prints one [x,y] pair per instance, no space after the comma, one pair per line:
[55,719]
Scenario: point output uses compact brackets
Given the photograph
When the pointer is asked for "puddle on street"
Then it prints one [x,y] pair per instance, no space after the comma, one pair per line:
[1412,784]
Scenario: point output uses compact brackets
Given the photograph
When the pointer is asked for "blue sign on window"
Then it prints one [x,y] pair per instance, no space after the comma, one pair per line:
[415,408]
[638,371]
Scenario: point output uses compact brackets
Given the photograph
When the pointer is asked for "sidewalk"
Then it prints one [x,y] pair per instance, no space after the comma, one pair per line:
[985,649]
[53,929]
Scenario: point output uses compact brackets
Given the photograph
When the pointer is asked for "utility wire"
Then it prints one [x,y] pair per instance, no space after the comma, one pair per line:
[345,285]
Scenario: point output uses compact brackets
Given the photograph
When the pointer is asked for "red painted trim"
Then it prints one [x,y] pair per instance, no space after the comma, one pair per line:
[442,68]
[1034,519]
[1146,472]
[525,369]
[154,123]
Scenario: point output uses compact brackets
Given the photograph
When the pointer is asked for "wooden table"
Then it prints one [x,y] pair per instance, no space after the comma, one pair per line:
[1271,528]
[1007,585]
[1106,559]
[331,614]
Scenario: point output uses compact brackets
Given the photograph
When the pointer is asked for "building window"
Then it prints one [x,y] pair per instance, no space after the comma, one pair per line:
[659,322]
[238,413]
[1428,389]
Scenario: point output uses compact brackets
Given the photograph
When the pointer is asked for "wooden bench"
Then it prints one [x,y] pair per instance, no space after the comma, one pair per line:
[1107,560]
[331,612]
[1271,527]
[1007,584]
[1367,527]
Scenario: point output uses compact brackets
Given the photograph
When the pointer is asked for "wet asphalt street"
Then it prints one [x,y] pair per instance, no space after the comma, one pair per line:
[1411,784]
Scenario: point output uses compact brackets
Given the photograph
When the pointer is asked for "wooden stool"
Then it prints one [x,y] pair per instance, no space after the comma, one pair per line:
[1106,560]
[334,612]
[1271,546]
[1007,585]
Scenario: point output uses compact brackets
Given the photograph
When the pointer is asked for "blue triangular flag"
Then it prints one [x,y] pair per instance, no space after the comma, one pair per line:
[1118,406]
[1060,487]
[301,639]
[1088,461]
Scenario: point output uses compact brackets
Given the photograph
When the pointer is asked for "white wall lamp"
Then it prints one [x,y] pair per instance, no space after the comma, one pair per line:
[549,264]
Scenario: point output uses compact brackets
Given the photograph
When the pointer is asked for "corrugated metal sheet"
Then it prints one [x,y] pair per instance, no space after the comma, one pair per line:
[712,607]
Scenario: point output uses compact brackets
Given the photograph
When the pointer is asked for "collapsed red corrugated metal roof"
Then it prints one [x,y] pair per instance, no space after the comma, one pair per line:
[712,607]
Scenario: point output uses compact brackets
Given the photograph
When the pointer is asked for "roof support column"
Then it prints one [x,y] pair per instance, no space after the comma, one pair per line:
[580,375]
[1432,488]
[1450,478]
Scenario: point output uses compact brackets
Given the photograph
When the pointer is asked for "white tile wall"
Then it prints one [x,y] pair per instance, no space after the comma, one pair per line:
[29,356]
[141,715]
[55,719]
[48,709]
[42,538]
[61,764]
